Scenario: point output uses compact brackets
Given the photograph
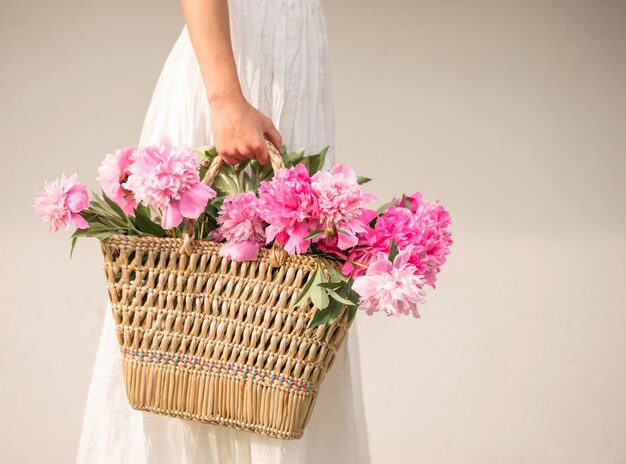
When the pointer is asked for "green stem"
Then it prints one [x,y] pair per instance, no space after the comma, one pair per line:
[124,225]
[115,221]
[355,263]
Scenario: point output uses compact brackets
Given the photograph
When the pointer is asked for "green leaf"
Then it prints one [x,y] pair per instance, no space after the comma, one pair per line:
[341,231]
[263,172]
[306,290]
[314,234]
[333,285]
[362,180]
[115,207]
[89,215]
[227,170]
[406,203]
[293,158]
[211,210]
[203,169]
[352,296]
[74,238]
[326,316]
[337,297]
[386,206]
[145,224]
[225,184]
[97,230]
[143,210]
[206,154]
[319,296]
[316,162]
[98,207]
[255,167]
[352,311]
[393,251]
[82,232]
[247,184]
[319,318]
[242,165]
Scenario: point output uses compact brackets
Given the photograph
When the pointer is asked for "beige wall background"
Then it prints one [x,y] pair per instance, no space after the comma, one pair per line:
[512,113]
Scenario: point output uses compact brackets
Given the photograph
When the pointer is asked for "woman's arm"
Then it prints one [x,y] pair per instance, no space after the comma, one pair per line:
[238,127]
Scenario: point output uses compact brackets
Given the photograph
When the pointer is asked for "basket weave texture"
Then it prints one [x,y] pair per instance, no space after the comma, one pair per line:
[213,340]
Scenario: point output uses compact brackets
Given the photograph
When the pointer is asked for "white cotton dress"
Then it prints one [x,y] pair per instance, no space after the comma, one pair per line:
[282,59]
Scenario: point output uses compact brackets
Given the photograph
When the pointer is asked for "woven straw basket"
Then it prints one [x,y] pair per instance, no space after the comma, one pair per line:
[209,339]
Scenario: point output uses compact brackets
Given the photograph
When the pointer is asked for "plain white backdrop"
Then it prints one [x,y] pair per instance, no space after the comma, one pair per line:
[513,114]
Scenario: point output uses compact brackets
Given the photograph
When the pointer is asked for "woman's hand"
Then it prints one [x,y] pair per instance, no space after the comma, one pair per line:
[238,127]
[239,130]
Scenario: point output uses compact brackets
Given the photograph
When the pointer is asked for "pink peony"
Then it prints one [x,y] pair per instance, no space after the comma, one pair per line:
[435,238]
[113,173]
[166,177]
[61,202]
[340,207]
[390,287]
[393,223]
[241,226]
[288,203]
[338,243]
[423,227]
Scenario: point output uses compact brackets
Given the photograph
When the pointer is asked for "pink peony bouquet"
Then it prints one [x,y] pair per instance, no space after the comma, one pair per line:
[387,256]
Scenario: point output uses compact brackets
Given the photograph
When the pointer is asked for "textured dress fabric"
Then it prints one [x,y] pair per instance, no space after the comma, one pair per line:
[281,53]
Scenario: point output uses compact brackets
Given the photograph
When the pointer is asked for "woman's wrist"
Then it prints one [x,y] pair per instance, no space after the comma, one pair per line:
[221,98]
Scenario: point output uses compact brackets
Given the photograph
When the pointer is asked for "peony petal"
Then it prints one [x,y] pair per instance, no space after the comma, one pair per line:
[274,232]
[56,224]
[346,241]
[348,268]
[242,251]
[403,257]
[344,170]
[366,198]
[362,285]
[70,182]
[414,200]
[128,206]
[77,200]
[79,221]
[379,267]
[193,200]
[171,216]
[299,169]
[296,244]
[76,196]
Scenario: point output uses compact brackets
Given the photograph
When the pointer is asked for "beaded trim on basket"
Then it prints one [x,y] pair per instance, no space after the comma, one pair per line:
[218,365]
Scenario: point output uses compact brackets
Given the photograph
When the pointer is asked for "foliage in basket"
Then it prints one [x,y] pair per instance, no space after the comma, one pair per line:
[387,256]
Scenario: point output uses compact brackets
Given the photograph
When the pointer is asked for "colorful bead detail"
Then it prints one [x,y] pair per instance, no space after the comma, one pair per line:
[210,365]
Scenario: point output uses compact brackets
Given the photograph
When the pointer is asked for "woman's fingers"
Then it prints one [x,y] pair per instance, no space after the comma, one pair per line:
[273,135]
[260,153]
[229,160]
[231,157]
[259,149]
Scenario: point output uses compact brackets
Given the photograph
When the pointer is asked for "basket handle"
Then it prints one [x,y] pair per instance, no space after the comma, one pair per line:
[277,253]
[276,161]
